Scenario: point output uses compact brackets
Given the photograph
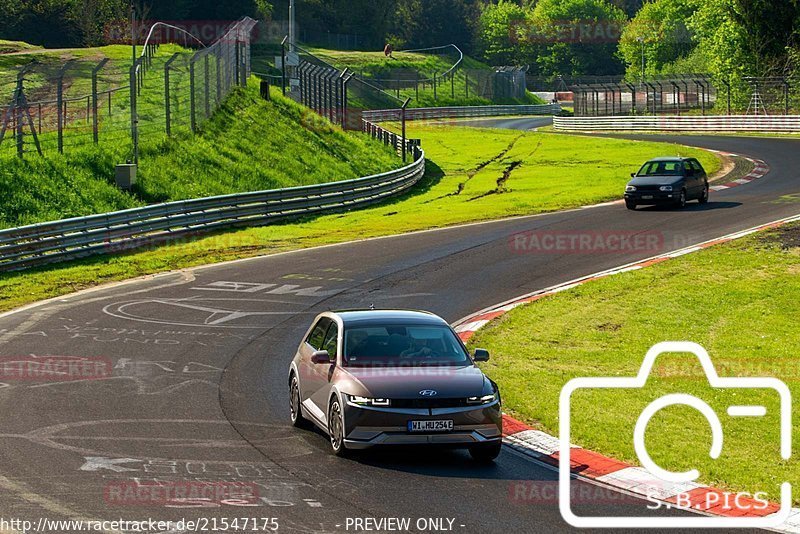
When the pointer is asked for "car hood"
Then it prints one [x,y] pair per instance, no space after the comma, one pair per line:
[655,180]
[408,382]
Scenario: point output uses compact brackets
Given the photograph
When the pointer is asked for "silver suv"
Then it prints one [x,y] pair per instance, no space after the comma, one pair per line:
[370,378]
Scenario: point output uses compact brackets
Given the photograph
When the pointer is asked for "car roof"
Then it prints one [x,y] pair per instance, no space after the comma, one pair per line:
[361,317]
[668,158]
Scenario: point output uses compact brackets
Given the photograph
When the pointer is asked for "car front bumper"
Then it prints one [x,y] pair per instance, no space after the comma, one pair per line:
[367,427]
[655,197]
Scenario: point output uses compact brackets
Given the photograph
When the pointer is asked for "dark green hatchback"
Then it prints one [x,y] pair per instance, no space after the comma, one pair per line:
[671,180]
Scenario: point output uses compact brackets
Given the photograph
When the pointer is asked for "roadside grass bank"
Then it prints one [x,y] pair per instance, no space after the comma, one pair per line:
[472,175]
[248,145]
[738,300]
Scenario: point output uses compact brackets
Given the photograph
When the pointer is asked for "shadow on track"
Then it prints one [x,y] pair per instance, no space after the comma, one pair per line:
[692,207]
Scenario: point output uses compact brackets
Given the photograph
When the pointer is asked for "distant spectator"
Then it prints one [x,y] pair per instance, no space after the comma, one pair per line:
[388,50]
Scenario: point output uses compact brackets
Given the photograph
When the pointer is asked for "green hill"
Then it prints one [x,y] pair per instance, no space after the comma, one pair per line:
[248,145]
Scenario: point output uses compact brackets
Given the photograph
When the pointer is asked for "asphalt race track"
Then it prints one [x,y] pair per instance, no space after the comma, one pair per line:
[198,389]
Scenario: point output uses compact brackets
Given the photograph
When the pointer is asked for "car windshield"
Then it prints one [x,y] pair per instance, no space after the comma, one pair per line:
[403,345]
[661,168]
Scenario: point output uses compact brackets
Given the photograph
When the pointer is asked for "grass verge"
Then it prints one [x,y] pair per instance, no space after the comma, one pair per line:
[472,175]
[604,328]
[248,145]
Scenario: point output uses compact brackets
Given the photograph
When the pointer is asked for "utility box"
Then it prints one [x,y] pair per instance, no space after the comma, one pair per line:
[125,176]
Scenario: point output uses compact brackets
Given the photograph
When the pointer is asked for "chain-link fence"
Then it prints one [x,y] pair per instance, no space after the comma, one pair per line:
[51,106]
[386,87]
[676,95]
[680,94]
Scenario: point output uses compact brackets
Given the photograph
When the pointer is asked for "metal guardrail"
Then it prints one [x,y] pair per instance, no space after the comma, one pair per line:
[708,123]
[460,112]
[51,242]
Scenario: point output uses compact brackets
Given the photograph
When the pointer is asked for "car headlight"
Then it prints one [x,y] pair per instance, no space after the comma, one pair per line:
[485,399]
[630,189]
[667,188]
[366,401]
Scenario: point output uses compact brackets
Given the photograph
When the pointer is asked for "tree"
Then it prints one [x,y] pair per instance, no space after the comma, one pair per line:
[424,23]
[577,37]
[501,33]
[661,26]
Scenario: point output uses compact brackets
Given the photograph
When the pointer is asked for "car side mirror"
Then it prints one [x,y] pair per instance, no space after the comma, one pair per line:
[633,175]
[321,357]
[481,355]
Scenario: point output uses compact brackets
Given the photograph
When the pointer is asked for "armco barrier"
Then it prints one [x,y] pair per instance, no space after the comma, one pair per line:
[460,112]
[50,242]
[708,123]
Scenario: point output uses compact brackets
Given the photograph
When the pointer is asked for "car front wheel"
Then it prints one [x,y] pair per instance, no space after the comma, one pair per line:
[631,205]
[295,411]
[486,452]
[336,428]
[681,202]
[704,196]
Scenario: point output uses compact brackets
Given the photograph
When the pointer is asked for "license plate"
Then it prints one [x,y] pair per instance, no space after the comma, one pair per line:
[430,426]
[647,197]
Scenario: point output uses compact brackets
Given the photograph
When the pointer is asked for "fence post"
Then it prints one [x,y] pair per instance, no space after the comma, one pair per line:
[786,96]
[18,124]
[167,98]
[217,57]
[236,61]
[453,85]
[345,82]
[192,121]
[331,82]
[466,83]
[206,84]
[435,97]
[60,105]
[283,65]
[134,115]
[403,126]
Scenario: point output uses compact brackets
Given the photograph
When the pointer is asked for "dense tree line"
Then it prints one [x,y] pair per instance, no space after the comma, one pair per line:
[62,23]
[728,38]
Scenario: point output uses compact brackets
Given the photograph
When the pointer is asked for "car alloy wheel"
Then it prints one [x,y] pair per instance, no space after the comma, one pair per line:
[682,199]
[294,402]
[704,198]
[336,428]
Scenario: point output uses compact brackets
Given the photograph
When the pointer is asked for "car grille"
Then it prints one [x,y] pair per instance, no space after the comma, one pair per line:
[429,404]
[648,188]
